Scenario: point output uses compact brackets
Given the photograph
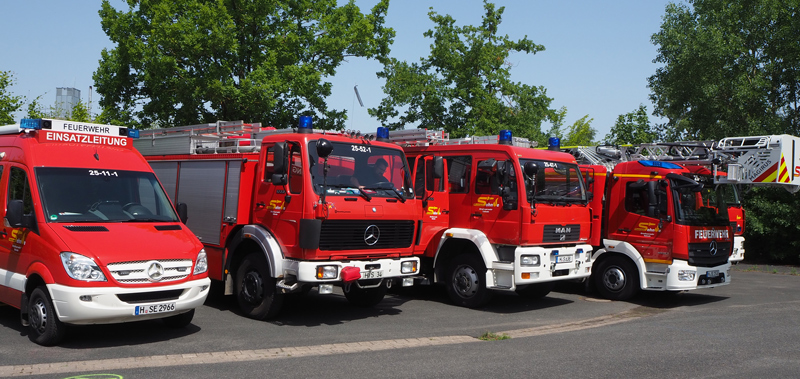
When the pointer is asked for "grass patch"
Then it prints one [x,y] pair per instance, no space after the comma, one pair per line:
[489,336]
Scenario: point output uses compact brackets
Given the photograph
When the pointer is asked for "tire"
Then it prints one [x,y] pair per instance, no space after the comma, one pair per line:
[256,293]
[466,281]
[536,290]
[616,278]
[45,327]
[179,321]
[365,297]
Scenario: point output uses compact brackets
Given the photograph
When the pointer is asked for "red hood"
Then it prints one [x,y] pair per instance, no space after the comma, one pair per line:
[124,242]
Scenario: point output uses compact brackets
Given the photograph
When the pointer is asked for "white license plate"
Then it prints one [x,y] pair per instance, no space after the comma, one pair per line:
[563,258]
[371,274]
[150,309]
[712,274]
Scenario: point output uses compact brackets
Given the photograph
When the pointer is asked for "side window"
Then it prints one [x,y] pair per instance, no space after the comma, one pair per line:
[269,167]
[295,170]
[459,171]
[485,180]
[20,189]
[636,198]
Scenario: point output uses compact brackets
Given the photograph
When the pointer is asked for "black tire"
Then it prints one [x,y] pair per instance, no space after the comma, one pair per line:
[179,321]
[45,327]
[466,281]
[255,288]
[365,297]
[616,278]
[536,290]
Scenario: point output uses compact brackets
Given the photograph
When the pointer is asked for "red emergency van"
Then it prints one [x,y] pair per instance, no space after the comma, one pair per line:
[89,236]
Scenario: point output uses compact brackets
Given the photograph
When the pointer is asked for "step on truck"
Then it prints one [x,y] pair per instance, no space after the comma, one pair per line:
[284,211]
[496,215]
[89,235]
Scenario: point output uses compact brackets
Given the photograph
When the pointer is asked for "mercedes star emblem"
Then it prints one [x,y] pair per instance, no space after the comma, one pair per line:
[712,248]
[371,235]
[155,271]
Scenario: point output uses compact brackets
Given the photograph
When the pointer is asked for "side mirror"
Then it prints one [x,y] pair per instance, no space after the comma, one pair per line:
[324,148]
[279,164]
[183,212]
[531,169]
[14,214]
[438,167]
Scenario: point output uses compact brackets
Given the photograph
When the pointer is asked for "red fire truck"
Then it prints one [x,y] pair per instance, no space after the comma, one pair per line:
[497,215]
[663,222]
[287,210]
[90,237]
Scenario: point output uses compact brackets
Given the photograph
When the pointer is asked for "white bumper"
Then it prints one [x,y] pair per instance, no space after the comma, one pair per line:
[701,276]
[106,308]
[738,249]
[306,271]
[555,263]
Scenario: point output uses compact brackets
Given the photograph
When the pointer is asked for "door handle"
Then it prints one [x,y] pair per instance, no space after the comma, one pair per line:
[624,230]
[476,215]
[445,211]
[260,205]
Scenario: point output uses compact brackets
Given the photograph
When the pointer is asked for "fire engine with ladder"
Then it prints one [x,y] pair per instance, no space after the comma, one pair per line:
[283,211]
[665,206]
[496,215]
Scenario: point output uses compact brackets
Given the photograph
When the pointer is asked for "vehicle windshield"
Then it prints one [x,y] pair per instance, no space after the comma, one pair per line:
[360,169]
[708,207]
[555,182]
[87,195]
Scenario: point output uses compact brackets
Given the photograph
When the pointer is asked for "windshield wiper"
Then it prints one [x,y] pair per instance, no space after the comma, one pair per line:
[364,195]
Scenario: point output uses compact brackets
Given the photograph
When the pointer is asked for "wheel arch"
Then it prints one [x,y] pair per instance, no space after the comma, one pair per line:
[251,238]
[457,241]
[614,248]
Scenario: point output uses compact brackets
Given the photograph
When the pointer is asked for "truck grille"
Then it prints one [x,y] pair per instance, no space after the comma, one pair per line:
[354,234]
[136,271]
[702,255]
[561,233]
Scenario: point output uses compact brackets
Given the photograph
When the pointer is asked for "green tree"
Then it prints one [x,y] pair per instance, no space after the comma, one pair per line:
[8,102]
[35,109]
[732,68]
[186,62]
[464,85]
[80,112]
[729,68]
[632,128]
[580,133]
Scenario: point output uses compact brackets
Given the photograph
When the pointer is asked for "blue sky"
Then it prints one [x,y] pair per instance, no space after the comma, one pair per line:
[597,55]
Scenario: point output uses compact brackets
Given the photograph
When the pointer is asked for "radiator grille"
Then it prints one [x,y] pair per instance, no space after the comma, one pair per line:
[561,233]
[700,254]
[136,271]
[353,234]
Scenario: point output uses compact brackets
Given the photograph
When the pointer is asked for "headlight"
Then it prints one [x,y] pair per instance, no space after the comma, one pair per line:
[686,275]
[327,272]
[80,267]
[409,267]
[201,263]
[529,260]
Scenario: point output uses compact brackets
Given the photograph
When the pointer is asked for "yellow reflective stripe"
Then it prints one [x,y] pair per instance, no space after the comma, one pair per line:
[638,176]
[666,261]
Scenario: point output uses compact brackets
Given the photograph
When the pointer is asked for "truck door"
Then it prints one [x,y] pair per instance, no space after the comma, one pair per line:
[459,176]
[13,239]
[279,207]
[490,213]
[640,222]
[434,200]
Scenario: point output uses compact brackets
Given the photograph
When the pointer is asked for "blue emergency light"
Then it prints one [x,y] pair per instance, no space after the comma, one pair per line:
[553,143]
[667,165]
[304,126]
[382,134]
[133,133]
[505,137]
[34,124]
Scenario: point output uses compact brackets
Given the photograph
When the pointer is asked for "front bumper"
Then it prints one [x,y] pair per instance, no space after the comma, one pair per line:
[105,307]
[555,263]
[702,279]
[306,271]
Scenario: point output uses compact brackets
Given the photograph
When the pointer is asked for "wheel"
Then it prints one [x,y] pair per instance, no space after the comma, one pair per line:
[179,321]
[365,297]
[255,288]
[466,281]
[536,290]
[616,278]
[45,327]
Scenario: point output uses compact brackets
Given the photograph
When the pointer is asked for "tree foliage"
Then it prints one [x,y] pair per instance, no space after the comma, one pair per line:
[8,102]
[732,68]
[580,133]
[464,85]
[193,61]
[729,68]
[632,128]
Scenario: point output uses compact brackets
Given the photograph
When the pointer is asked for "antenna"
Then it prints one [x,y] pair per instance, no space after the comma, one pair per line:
[358,96]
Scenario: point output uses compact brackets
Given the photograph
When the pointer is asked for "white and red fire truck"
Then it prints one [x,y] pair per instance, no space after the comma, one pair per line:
[496,215]
[287,210]
[89,235]
[666,227]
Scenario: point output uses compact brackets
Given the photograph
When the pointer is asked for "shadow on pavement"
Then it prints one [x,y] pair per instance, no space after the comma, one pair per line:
[652,299]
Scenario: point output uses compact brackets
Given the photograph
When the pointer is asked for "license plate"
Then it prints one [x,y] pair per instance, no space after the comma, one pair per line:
[563,258]
[371,274]
[712,274]
[150,309]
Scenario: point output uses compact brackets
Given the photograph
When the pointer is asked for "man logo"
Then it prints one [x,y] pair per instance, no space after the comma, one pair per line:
[371,235]
[155,271]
